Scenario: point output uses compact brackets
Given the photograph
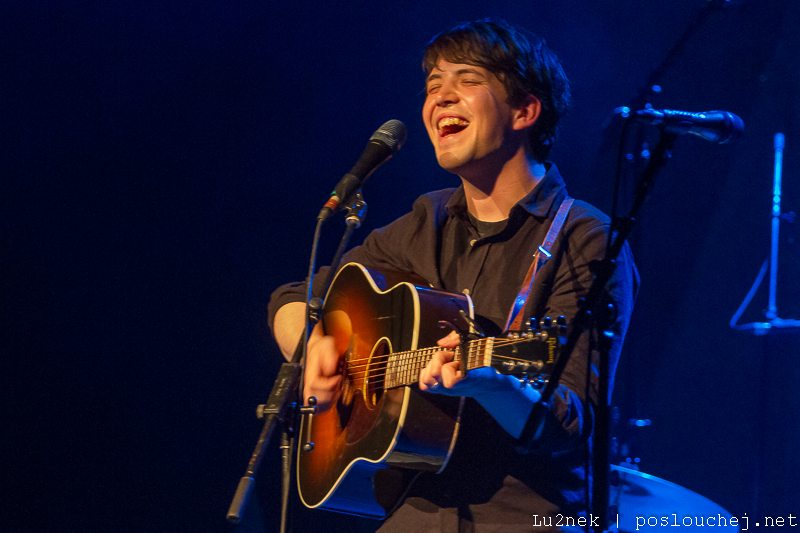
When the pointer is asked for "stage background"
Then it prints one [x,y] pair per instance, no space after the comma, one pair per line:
[162,164]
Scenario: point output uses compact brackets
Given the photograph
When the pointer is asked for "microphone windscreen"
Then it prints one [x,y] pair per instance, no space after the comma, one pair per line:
[393,133]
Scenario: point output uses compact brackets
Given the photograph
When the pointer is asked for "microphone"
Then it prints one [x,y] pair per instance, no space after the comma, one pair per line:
[715,126]
[383,144]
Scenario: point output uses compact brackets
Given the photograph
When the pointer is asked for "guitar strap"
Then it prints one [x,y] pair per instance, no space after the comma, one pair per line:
[541,256]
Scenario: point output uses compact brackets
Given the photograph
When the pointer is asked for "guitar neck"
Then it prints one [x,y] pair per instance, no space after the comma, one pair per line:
[403,368]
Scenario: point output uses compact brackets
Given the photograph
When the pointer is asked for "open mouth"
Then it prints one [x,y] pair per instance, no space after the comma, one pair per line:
[451,126]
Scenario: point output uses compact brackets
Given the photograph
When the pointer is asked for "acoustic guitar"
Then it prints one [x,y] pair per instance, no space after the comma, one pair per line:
[360,455]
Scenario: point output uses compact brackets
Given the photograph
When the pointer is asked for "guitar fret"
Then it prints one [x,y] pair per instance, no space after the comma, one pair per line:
[473,347]
[404,368]
[389,381]
[400,371]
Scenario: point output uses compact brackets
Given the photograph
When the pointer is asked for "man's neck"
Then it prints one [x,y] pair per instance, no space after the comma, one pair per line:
[491,196]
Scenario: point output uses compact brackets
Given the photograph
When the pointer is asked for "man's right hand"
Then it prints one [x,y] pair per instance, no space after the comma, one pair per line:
[323,376]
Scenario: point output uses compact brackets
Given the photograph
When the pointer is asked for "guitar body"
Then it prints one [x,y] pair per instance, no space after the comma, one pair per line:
[365,445]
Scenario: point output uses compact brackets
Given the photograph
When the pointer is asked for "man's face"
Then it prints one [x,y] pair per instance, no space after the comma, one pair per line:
[467,117]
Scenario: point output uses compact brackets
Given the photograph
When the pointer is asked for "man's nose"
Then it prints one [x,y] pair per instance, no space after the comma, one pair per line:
[447,95]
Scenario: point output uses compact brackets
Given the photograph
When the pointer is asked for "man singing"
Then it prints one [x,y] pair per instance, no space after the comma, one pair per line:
[494,97]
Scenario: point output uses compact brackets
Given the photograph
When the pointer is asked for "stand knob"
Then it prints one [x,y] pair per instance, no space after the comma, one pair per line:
[311,408]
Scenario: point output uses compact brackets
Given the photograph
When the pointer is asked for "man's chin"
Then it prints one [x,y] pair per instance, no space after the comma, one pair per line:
[450,162]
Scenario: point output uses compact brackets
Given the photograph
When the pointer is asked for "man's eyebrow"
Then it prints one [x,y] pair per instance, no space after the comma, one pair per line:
[463,71]
[459,72]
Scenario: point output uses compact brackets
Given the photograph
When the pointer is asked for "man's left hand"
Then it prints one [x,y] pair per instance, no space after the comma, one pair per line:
[443,375]
[507,399]
[441,370]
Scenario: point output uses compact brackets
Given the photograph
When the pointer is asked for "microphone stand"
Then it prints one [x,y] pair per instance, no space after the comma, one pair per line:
[656,161]
[592,313]
[282,405]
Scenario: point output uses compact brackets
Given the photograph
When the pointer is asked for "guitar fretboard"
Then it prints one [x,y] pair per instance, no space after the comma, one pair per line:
[403,368]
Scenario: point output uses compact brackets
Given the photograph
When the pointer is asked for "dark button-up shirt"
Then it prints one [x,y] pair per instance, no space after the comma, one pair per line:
[489,479]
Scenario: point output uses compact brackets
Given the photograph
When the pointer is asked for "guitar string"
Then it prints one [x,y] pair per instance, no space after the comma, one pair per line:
[498,342]
[422,352]
[409,371]
[411,366]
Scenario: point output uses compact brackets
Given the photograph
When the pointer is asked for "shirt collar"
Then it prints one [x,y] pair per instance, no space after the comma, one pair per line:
[539,202]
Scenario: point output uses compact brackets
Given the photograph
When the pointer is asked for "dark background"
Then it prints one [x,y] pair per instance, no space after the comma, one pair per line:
[162,165]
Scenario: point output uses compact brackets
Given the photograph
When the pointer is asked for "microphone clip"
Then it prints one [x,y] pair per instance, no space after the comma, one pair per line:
[356,211]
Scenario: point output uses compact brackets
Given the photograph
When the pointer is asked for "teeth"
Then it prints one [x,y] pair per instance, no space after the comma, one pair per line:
[452,121]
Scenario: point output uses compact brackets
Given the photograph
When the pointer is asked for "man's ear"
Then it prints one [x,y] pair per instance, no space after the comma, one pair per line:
[527,113]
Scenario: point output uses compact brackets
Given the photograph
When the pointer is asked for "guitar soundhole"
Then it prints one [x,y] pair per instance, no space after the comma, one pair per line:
[357,407]
[376,373]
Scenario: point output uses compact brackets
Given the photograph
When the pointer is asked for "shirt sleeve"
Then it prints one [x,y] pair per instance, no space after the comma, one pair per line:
[568,418]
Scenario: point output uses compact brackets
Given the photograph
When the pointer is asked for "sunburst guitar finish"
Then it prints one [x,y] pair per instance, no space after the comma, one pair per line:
[382,426]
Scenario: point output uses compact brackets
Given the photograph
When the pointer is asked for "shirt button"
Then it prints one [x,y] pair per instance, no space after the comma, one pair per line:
[472,242]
